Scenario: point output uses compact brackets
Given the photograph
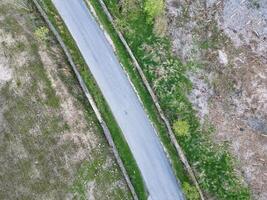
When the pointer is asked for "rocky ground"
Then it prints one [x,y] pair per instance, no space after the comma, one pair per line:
[226,40]
[51,144]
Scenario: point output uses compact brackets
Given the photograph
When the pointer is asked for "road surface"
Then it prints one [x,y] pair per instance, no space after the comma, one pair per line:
[122,100]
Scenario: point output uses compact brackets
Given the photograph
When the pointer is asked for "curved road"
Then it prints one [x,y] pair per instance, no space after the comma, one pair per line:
[122,100]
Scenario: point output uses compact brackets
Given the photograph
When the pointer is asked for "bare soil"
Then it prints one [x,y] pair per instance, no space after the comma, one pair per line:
[227,40]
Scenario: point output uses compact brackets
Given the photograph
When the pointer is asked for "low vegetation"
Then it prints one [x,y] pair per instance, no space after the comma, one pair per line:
[41,33]
[191,193]
[168,77]
[153,8]
[181,128]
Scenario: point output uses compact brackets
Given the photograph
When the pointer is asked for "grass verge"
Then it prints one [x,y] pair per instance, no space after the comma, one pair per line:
[122,146]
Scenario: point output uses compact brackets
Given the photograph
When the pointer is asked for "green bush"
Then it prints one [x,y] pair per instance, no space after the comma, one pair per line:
[153,8]
[190,192]
[41,33]
[181,128]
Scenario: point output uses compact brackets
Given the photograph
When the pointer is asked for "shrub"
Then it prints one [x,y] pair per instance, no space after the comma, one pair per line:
[41,33]
[153,8]
[190,192]
[181,128]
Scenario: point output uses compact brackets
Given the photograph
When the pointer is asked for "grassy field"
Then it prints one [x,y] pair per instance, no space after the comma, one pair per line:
[52,146]
[140,22]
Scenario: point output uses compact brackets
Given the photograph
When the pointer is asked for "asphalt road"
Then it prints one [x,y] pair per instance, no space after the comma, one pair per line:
[122,100]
